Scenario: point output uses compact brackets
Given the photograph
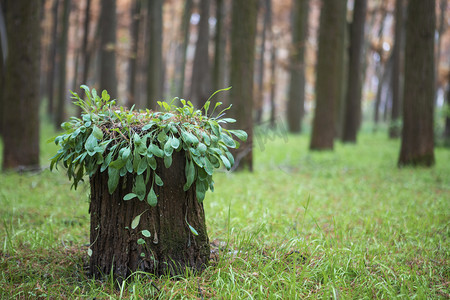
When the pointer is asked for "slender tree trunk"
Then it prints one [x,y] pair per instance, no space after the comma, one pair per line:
[201,78]
[134,33]
[84,49]
[60,107]
[155,64]
[397,74]
[21,88]
[266,5]
[273,82]
[342,53]
[296,99]
[243,32]
[418,102]
[52,59]
[181,55]
[170,249]
[441,31]
[108,23]
[447,117]
[220,41]
[3,54]
[352,113]
[328,72]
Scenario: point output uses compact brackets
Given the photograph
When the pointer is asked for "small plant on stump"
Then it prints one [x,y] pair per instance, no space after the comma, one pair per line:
[148,173]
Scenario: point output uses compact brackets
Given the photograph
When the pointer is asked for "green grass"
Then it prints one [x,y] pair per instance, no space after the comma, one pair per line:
[346,224]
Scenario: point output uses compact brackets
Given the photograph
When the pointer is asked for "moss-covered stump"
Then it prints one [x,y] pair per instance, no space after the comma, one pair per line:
[117,246]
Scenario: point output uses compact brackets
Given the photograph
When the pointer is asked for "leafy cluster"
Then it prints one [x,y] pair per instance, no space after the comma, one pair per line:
[119,141]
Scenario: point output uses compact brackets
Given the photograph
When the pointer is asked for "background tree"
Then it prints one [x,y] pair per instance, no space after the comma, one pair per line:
[265,7]
[59,113]
[418,101]
[447,116]
[201,75]
[155,64]
[243,32]
[352,113]
[3,54]
[108,23]
[220,41]
[52,59]
[296,99]
[328,75]
[397,74]
[181,55]
[134,35]
[21,89]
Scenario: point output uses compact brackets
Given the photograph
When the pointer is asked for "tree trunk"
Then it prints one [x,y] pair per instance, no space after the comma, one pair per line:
[352,114]
[397,74]
[21,134]
[171,247]
[134,34]
[296,99]
[201,81]
[52,60]
[447,117]
[3,53]
[155,65]
[328,75]
[243,32]
[220,41]
[418,100]
[60,108]
[108,23]
[84,49]
[259,101]
[273,82]
[181,54]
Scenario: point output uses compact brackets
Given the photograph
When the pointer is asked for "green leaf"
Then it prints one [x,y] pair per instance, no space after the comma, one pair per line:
[142,166]
[129,196]
[90,144]
[240,134]
[229,142]
[140,241]
[226,120]
[125,153]
[168,147]
[175,143]
[136,220]
[136,139]
[162,137]
[152,162]
[201,148]
[148,126]
[151,198]
[192,229]
[158,180]
[155,150]
[89,252]
[226,162]
[105,95]
[97,132]
[167,161]
[146,233]
[190,174]
[118,164]
[139,187]
[113,179]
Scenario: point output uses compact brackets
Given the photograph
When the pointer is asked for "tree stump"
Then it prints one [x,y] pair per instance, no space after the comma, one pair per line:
[172,246]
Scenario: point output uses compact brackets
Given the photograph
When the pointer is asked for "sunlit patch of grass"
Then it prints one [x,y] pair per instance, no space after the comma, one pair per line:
[344,224]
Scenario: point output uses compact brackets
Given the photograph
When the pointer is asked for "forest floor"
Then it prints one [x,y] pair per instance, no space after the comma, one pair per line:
[346,224]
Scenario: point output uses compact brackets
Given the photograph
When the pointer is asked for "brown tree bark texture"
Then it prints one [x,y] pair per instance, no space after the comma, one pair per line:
[296,100]
[155,60]
[243,32]
[418,101]
[172,246]
[108,23]
[201,74]
[328,76]
[352,113]
[21,94]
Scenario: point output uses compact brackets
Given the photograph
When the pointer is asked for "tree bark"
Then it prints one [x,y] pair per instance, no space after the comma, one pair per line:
[60,108]
[21,134]
[134,33]
[3,53]
[155,65]
[172,246]
[181,54]
[220,41]
[243,32]
[328,75]
[352,114]
[397,74]
[447,117]
[418,100]
[108,23]
[296,99]
[52,60]
[201,75]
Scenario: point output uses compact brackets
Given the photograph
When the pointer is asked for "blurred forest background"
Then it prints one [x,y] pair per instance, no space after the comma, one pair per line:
[328,68]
